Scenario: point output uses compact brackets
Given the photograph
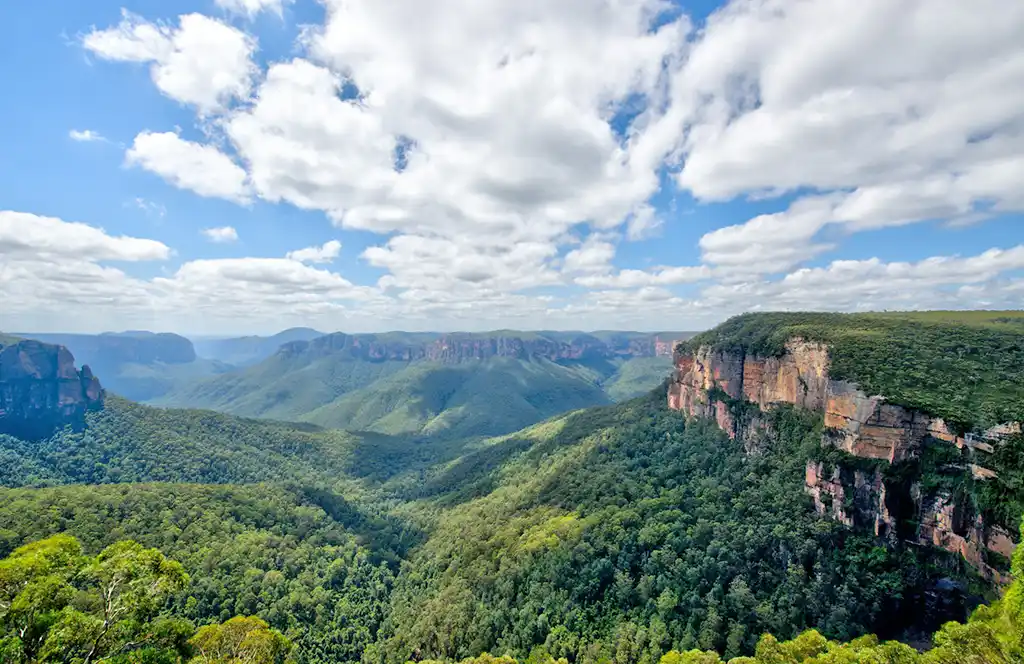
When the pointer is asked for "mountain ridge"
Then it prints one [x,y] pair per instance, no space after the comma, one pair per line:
[463,384]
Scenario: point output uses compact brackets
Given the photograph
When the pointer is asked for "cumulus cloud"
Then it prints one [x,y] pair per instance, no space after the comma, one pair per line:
[221,234]
[460,268]
[25,235]
[595,255]
[325,253]
[481,161]
[203,62]
[53,275]
[50,268]
[187,165]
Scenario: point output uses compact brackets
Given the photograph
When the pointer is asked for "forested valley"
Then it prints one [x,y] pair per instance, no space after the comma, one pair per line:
[621,534]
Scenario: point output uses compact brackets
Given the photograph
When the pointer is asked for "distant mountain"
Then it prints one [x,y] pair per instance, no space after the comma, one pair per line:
[245,351]
[139,365]
[464,384]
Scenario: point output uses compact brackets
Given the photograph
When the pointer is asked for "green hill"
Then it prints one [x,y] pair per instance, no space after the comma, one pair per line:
[282,386]
[129,442]
[462,400]
[492,396]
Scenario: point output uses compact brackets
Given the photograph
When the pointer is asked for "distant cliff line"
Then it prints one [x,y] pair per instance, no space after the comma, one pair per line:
[465,347]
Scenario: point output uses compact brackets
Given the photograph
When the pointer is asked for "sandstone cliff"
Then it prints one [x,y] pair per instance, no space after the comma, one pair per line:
[712,384]
[41,390]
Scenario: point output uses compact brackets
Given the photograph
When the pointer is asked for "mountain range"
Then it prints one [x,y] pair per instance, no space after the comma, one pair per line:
[455,385]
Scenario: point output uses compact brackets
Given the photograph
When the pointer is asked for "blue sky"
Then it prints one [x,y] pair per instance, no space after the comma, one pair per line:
[569,165]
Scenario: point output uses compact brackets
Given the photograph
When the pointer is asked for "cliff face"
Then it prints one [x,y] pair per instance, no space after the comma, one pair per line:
[108,351]
[709,384]
[41,390]
[463,348]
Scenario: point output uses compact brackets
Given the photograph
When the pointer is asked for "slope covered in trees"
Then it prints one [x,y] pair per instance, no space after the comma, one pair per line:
[309,564]
[619,534]
[423,397]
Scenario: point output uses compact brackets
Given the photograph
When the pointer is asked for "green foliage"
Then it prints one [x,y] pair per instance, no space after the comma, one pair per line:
[993,635]
[634,532]
[241,640]
[481,398]
[1002,498]
[966,367]
[57,605]
[128,442]
[255,550]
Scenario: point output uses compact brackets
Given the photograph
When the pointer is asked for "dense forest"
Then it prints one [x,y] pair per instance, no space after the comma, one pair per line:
[614,533]
[621,534]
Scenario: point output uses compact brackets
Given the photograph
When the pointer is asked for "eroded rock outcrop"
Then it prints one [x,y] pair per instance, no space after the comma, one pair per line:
[41,390]
[715,384]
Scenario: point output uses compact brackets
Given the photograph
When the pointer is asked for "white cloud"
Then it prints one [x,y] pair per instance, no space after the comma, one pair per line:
[325,253]
[201,168]
[664,276]
[203,62]
[595,255]
[771,243]
[252,7]
[901,101]
[25,235]
[85,135]
[481,160]
[871,284]
[462,268]
[221,234]
[50,272]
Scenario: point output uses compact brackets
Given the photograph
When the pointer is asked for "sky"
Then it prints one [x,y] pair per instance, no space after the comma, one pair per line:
[243,166]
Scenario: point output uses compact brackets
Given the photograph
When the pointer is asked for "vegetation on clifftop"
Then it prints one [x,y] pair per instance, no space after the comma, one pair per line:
[966,367]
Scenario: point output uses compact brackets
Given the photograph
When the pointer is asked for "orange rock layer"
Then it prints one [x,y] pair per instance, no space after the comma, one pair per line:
[865,426]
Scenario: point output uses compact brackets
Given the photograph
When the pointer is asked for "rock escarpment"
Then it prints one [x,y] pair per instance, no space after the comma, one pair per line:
[41,390]
[108,351]
[716,384]
[455,348]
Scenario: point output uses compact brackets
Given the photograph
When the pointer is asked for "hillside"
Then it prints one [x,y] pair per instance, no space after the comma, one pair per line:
[453,385]
[129,442]
[921,414]
[604,520]
[608,534]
